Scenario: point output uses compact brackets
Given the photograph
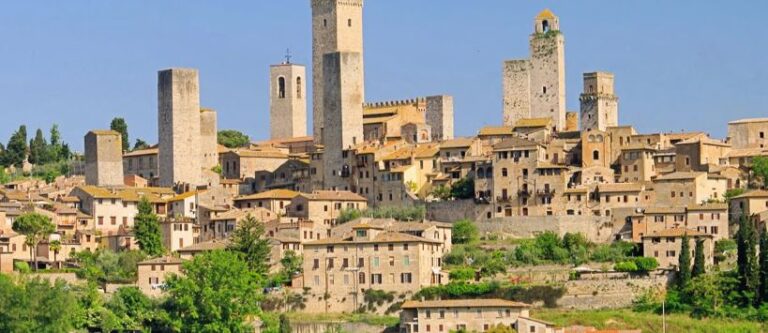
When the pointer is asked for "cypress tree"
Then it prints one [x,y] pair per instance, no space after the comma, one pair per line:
[747,260]
[16,150]
[684,263]
[763,276]
[698,259]
[38,148]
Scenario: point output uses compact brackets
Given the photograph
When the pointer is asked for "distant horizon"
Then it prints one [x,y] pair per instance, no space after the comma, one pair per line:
[80,64]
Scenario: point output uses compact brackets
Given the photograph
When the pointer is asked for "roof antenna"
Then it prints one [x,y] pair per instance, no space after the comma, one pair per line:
[287,56]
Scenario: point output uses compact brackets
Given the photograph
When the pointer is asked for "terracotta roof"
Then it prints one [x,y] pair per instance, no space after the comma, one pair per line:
[683,135]
[161,260]
[464,303]
[271,194]
[533,122]
[680,175]
[545,14]
[426,150]
[238,214]
[249,153]
[749,120]
[382,237]
[704,140]
[664,210]
[216,244]
[709,206]
[620,187]
[400,154]
[132,194]
[457,143]
[143,152]
[183,196]
[495,130]
[747,152]
[104,132]
[513,142]
[334,196]
[677,232]
[753,194]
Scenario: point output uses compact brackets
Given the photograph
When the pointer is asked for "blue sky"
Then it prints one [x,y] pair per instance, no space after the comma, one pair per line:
[678,64]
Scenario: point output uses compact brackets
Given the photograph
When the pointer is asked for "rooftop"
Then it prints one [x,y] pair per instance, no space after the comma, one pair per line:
[271,194]
[464,303]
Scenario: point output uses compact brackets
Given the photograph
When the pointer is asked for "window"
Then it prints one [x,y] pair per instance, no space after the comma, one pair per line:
[361,278]
[544,89]
[281,87]
[376,279]
[360,262]
[391,247]
[316,264]
[407,278]
[298,87]
[375,247]
[503,172]
[596,155]
[405,247]
[391,261]
[349,22]
[375,262]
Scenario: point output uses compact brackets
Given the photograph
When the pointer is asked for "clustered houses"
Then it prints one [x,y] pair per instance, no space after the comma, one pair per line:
[537,167]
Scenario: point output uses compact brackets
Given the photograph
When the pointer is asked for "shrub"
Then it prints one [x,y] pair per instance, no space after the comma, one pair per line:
[21,267]
[462,274]
[645,264]
[625,266]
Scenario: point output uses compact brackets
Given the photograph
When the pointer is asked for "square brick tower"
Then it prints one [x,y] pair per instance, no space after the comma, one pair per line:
[337,26]
[599,104]
[178,92]
[104,158]
[287,101]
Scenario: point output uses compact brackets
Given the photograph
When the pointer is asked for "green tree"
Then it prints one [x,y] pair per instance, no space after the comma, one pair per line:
[38,149]
[16,151]
[120,126]
[134,311]
[36,305]
[441,192]
[763,264]
[285,324]
[140,144]
[464,232]
[248,240]
[217,292]
[684,263]
[147,229]
[698,259]
[760,168]
[463,189]
[501,328]
[291,263]
[348,214]
[233,139]
[35,227]
[54,147]
[746,260]
[55,246]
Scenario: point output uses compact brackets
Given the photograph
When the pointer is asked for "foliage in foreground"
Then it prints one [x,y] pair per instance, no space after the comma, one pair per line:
[407,213]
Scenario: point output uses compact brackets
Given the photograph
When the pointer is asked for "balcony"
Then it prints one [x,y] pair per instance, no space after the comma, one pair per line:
[524,193]
[547,192]
[503,198]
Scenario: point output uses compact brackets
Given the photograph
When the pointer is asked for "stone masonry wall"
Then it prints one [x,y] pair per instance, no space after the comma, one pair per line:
[516,90]
[439,116]
[178,91]
[287,112]
[103,158]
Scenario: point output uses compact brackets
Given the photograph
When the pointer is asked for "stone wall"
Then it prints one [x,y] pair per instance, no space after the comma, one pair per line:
[178,124]
[610,293]
[439,116]
[516,91]
[453,210]
[598,229]
[103,158]
[333,327]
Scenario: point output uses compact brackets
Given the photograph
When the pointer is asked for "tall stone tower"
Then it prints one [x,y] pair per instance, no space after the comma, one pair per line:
[178,92]
[104,158]
[548,69]
[343,96]
[337,26]
[287,101]
[209,146]
[439,116]
[599,104]
[535,87]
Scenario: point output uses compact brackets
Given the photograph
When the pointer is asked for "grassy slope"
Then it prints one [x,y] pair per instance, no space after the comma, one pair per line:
[647,322]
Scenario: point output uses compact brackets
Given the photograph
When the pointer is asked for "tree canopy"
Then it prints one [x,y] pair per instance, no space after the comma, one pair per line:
[147,229]
[233,139]
[120,126]
[248,240]
[464,232]
[35,227]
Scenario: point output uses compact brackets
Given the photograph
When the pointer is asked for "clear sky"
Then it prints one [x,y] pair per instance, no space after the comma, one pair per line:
[678,64]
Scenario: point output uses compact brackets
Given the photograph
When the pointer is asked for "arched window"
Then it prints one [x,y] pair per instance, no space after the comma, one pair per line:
[298,87]
[480,173]
[545,26]
[596,155]
[281,87]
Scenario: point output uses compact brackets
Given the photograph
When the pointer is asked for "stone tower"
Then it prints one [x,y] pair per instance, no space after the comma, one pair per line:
[548,69]
[287,101]
[104,158]
[343,96]
[179,127]
[337,26]
[599,104]
[439,116]
[535,87]
[209,146]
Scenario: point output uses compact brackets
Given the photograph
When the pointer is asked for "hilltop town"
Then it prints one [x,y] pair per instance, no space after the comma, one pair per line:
[381,209]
